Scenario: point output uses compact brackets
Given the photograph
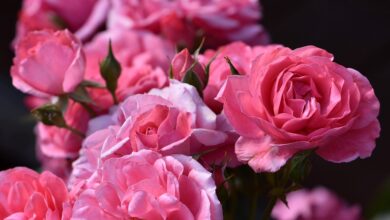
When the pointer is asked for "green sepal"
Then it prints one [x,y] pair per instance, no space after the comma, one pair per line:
[233,69]
[50,114]
[81,95]
[191,78]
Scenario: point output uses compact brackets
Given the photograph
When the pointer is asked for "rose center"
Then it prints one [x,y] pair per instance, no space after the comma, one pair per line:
[149,128]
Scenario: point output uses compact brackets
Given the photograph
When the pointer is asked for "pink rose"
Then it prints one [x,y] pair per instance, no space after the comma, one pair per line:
[28,195]
[240,54]
[143,56]
[48,63]
[299,99]
[319,204]
[153,187]
[182,62]
[59,142]
[173,120]
[182,22]
[84,17]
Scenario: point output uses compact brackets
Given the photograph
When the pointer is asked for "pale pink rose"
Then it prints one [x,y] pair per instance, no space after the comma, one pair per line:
[48,63]
[152,187]
[240,54]
[81,16]
[318,204]
[26,194]
[144,59]
[58,142]
[296,100]
[182,62]
[173,120]
[182,21]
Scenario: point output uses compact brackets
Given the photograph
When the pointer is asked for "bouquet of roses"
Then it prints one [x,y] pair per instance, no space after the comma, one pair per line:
[178,110]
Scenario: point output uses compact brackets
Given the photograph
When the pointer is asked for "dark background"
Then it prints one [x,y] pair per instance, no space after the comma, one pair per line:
[357,32]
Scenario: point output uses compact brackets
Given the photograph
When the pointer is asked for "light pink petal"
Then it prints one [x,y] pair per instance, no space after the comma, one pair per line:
[355,143]
[75,72]
[261,155]
[241,122]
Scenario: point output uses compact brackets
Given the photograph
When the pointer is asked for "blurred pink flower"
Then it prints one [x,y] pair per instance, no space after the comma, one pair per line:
[152,187]
[299,99]
[36,74]
[183,21]
[28,195]
[81,16]
[318,204]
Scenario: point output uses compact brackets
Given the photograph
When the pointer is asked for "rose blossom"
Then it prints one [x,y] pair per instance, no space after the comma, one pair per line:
[299,99]
[144,59]
[182,62]
[152,187]
[220,22]
[28,195]
[319,204]
[48,63]
[81,16]
[58,142]
[173,120]
[241,56]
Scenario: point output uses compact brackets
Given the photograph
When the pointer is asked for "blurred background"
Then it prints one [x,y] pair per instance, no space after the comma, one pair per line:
[357,32]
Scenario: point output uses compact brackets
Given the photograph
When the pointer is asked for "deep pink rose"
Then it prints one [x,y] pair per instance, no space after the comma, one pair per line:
[26,194]
[299,99]
[152,187]
[144,59]
[59,142]
[48,63]
[319,204]
[182,22]
[240,54]
[173,120]
[81,16]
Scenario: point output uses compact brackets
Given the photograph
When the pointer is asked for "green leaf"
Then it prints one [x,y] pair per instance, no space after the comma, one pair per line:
[300,166]
[50,114]
[110,70]
[233,69]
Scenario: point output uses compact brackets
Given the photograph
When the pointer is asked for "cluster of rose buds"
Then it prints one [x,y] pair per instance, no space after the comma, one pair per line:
[135,130]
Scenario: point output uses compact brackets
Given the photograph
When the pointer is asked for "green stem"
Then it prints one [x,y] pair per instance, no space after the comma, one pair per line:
[75,131]
[91,112]
[114,98]
[268,209]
